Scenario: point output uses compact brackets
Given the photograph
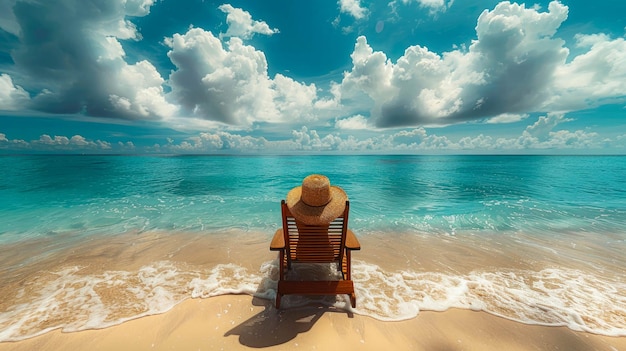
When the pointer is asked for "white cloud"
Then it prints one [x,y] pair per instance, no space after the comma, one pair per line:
[294,99]
[544,125]
[541,135]
[507,118]
[12,97]
[354,122]
[508,70]
[230,84]
[12,144]
[410,137]
[215,142]
[419,139]
[60,143]
[515,66]
[578,139]
[480,142]
[79,65]
[594,77]
[241,24]
[546,133]
[138,8]
[128,146]
[353,8]
[63,143]
[331,102]
[81,68]
[371,73]
[142,87]
[47,140]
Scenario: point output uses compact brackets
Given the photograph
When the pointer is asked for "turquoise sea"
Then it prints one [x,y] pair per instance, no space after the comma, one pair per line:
[536,239]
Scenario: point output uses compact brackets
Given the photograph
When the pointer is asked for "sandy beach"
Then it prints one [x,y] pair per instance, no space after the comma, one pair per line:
[232,322]
[239,322]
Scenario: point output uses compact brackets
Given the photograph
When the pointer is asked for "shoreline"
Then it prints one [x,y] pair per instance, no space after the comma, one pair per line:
[102,282]
[239,322]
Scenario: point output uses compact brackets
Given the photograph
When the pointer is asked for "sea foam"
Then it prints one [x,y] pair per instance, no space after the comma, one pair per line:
[70,300]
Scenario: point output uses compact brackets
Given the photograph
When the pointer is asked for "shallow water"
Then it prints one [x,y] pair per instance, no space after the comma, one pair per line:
[92,241]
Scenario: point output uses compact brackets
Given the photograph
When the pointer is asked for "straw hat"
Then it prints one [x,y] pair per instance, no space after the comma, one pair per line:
[316,202]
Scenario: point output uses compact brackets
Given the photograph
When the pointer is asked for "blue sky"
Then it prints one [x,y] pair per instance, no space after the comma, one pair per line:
[280,77]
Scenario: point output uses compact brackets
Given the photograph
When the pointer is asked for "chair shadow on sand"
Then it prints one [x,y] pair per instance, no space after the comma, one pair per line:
[272,327]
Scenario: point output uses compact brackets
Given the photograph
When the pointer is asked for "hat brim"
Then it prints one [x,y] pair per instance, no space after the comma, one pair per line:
[316,215]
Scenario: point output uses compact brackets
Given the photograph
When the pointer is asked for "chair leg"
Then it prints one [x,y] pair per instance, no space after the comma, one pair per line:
[353,300]
[278,296]
[282,262]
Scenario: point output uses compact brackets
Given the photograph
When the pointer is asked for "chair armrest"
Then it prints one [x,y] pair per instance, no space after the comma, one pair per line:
[278,241]
[352,243]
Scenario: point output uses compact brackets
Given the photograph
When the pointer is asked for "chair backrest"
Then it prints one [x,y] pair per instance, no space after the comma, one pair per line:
[314,243]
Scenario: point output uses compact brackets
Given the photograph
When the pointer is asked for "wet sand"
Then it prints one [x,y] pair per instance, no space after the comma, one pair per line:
[241,322]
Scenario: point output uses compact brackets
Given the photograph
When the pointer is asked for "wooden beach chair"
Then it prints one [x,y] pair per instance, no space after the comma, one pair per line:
[300,243]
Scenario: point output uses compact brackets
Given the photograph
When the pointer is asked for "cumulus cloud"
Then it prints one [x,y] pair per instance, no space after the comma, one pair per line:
[78,66]
[353,8]
[12,97]
[221,140]
[354,122]
[546,133]
[514,67]
[60,143]
[12,144]
[599,74]
[241,24]
[302,140]
[542,135]
[544,126]
[76,142]
[229,82]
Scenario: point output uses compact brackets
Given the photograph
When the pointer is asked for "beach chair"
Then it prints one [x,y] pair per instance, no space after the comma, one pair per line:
[300,243]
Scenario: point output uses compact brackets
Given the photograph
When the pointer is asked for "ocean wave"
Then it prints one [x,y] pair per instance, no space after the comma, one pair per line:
[551,297]
[71,299]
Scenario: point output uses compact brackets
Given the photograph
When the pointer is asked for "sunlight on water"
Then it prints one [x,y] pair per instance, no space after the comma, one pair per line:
[47,195]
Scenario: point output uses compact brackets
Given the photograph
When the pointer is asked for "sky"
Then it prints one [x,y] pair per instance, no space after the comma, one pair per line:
[299,77]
